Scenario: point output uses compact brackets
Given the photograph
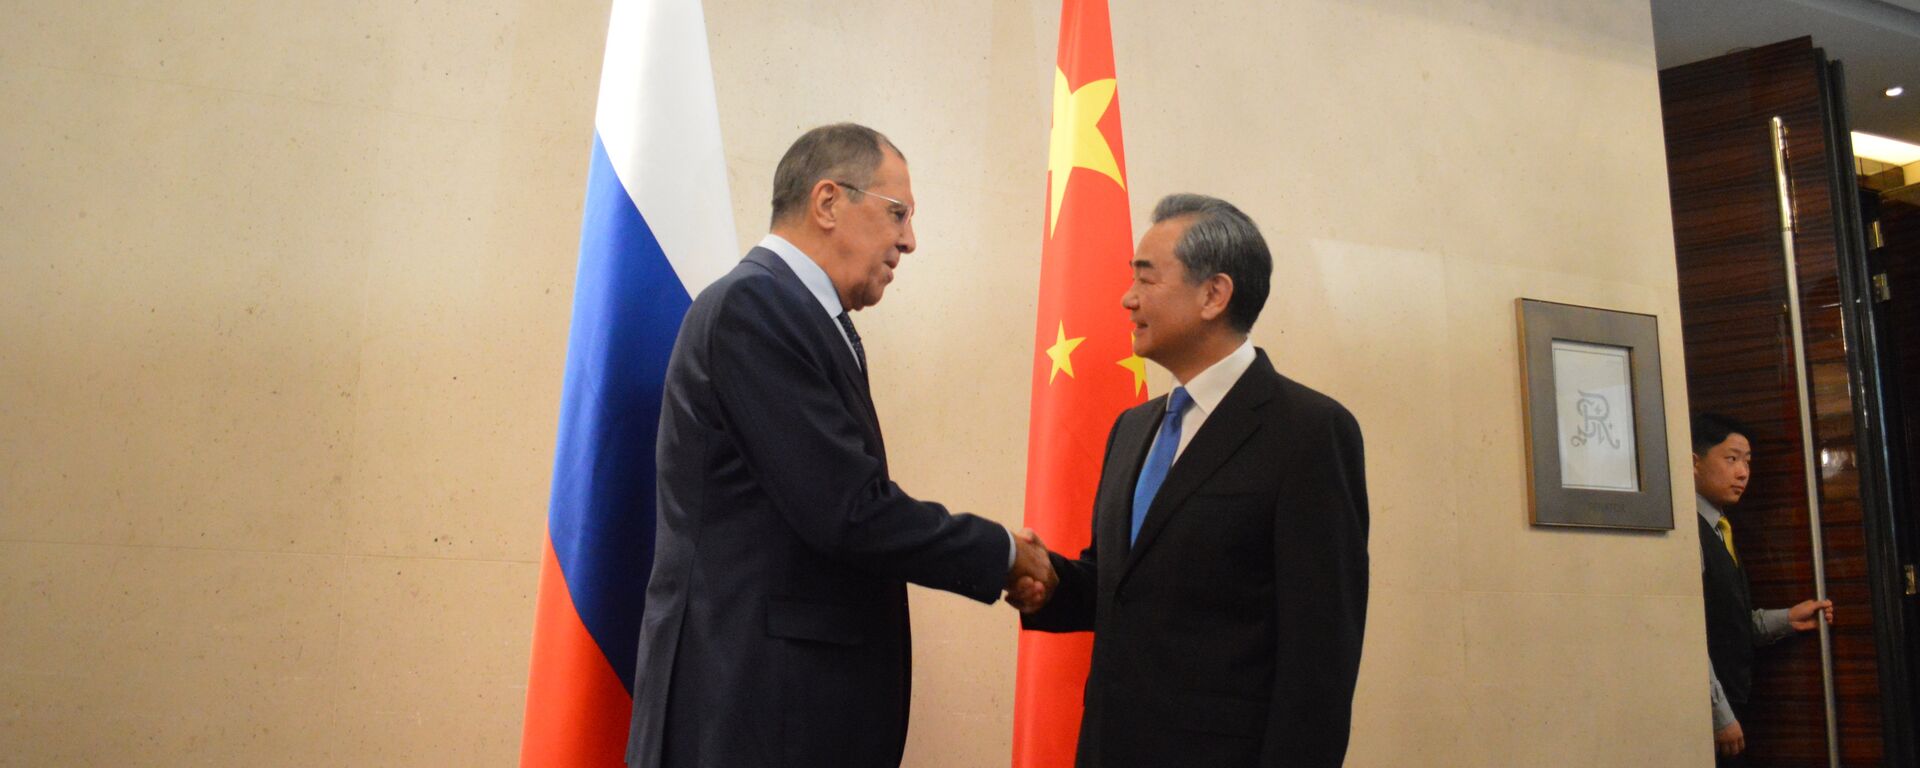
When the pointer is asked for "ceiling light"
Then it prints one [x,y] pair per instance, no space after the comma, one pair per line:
[1884,149]
[1894,91]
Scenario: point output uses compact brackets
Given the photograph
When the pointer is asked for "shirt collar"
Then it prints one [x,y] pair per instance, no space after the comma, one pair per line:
[1708,511]
[809,272]
[1210,386]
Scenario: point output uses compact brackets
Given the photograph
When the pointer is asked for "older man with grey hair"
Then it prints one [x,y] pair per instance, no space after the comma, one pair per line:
[1226,584]
[775,630]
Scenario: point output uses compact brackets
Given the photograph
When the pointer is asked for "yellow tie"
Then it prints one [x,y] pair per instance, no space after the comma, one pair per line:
[1726,537]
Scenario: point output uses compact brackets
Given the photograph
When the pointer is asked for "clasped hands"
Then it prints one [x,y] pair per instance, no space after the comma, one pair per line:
[1031,580]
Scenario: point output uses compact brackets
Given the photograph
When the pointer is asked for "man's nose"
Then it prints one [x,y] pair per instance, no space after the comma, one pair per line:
[907,241]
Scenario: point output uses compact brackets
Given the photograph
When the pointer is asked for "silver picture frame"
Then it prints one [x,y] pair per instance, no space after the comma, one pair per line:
[1595,417]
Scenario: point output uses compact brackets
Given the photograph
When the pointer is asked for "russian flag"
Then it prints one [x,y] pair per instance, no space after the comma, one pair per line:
[658,227]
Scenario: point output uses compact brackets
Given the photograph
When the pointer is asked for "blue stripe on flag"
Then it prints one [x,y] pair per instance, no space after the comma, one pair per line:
[627,307]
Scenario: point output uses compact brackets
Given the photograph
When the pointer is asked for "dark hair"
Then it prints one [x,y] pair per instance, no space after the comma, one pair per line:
[1222,241]
[1711,429]
[844,152]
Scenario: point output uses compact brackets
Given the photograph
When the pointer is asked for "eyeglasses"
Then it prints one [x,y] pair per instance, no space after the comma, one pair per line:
[902,213]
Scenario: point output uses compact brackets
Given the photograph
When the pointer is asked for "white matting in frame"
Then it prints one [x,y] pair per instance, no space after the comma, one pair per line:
[1595,416]
[1593,384]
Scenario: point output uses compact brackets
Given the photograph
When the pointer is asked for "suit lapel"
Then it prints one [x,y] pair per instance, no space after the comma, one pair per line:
[1218,439]
[1128,455]
[826,331]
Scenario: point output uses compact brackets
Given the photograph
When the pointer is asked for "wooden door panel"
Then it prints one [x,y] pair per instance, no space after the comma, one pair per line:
[1739,357]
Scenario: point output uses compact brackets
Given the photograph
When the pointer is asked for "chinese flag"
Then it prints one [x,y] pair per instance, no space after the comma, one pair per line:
[1084,369]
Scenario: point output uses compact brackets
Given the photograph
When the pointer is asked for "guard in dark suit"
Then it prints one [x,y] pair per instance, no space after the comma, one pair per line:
[1722,464]
[775,631]
[1226,584]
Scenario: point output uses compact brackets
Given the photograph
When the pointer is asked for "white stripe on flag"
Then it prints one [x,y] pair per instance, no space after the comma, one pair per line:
[675,171]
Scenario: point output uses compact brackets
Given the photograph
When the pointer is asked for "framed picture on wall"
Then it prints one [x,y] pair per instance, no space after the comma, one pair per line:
[1596,421]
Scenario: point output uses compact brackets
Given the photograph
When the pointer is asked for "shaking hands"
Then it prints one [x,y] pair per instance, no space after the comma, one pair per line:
[1031,581]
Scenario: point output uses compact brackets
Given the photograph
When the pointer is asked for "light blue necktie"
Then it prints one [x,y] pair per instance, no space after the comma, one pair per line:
[1160,460]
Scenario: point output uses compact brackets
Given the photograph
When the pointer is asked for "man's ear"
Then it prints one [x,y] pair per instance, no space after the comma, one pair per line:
[821,204]
[1219,293]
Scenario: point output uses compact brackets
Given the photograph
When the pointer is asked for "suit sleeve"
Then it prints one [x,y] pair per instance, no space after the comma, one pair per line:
[1320,562]
[805,447]
[1072,607]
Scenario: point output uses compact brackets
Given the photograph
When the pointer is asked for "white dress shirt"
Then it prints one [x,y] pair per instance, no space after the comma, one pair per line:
[1207,389]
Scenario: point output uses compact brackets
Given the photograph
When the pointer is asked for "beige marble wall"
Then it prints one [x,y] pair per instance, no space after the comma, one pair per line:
[284,291]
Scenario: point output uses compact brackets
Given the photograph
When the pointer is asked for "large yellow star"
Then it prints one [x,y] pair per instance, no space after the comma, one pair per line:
[1062,352]
[1138,365]
[1076,141]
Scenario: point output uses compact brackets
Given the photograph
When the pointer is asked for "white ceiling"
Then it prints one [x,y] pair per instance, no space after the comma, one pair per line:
[1878,41]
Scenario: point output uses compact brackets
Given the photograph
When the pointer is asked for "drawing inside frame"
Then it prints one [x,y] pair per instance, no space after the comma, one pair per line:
[1595,417]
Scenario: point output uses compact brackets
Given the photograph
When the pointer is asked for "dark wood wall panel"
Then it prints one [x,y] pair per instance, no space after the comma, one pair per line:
[1740,362]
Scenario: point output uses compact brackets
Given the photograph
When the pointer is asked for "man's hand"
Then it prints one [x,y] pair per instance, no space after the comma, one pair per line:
[1031,581]
[1801,616]
[1730,740]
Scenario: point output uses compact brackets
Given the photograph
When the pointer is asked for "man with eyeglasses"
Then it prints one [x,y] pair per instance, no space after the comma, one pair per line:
[776,626]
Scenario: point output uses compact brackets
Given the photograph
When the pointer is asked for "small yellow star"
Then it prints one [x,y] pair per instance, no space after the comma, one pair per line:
[1138,365]
[1076,140]
[1062,353]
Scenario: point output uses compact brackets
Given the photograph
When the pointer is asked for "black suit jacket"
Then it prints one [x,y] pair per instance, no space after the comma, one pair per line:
[775,631]
[1229,633]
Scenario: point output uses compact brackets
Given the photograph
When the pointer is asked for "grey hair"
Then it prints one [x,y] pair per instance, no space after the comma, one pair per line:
[1222,241]
[842,152]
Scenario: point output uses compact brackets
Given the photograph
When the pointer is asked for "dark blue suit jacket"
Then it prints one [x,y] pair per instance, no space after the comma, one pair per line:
[776,631]
[1228,635]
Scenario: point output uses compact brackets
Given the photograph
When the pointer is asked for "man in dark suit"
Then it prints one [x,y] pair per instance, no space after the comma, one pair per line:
[775,631]
[1722,464]
[1226,584]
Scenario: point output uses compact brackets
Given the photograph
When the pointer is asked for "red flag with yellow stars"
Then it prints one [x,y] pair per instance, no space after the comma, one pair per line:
[1084,369]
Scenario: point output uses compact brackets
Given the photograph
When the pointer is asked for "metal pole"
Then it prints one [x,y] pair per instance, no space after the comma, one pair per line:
[1806,434]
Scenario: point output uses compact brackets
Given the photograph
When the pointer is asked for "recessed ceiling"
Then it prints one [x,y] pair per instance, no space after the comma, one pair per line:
[1877,41]
[1885,150]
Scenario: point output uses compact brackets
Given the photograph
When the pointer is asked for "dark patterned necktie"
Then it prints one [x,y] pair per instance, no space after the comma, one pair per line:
[860,352]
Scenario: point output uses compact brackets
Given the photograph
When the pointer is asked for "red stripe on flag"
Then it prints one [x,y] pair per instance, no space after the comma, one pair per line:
[1084,369]
[1052,670]
[577,710]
